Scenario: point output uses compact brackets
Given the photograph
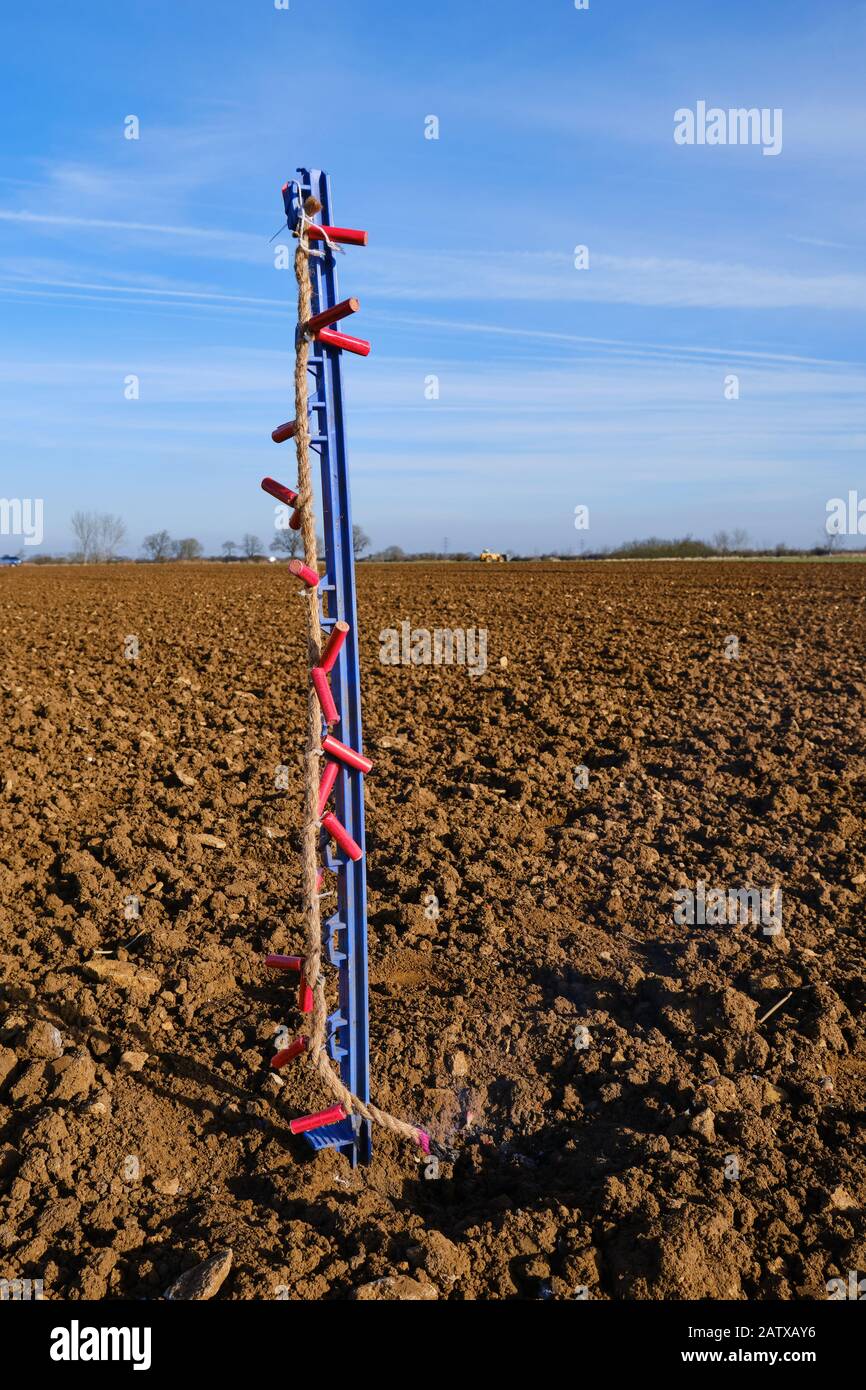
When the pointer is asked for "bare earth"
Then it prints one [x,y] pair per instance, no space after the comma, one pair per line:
[625,1124]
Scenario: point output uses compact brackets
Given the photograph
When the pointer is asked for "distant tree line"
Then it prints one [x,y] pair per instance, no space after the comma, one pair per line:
[723,543]
[100,535]
[396,553]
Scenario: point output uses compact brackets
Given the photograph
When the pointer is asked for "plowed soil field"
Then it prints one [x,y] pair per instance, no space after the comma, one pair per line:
[627,1117]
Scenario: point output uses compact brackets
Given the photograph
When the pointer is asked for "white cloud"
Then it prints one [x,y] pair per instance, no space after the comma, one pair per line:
[650,281]
[467,277]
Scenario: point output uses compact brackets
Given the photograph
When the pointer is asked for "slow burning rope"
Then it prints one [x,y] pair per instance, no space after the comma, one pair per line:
[317,1049]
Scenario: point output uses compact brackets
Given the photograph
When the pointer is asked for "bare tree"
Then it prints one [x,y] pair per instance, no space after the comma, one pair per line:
[99,534]
[360,541]
[110,536]
[286,543]
[84,526]
[251,546]
[157,546]
[228,549]
[187,549]
[722,542]
[739,538]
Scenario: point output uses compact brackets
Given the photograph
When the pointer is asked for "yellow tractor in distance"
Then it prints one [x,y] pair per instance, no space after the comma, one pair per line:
[491,557]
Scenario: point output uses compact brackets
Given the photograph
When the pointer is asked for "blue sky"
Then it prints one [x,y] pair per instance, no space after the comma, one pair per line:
[558,387]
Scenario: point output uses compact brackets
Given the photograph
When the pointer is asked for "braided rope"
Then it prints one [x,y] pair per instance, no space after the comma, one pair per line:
[316,1046]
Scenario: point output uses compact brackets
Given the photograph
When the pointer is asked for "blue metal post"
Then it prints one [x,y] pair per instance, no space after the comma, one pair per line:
[344,929]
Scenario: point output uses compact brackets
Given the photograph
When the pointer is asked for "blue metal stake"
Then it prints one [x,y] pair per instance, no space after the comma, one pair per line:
[345,929]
